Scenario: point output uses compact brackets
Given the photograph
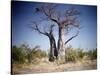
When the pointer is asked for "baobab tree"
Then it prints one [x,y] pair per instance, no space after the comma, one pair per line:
[64,21]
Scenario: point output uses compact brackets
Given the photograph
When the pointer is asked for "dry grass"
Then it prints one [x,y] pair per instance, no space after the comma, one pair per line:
[45,66]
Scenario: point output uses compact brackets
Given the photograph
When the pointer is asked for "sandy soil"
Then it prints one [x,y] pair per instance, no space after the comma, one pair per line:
[45,67]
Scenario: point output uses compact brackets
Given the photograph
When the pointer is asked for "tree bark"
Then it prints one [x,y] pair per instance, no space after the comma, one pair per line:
[61,49]
[53,49]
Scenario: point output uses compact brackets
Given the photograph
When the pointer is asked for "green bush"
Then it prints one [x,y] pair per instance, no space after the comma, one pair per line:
[24,54]
[72,54]
[92,54]
[39,54]
[81,53]
[17,55]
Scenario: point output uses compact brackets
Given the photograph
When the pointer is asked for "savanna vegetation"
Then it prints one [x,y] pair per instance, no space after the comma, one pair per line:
[25,54]
[79,54]
[35,60]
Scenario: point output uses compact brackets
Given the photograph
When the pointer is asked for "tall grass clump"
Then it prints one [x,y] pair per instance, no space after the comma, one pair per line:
[77,54]
[17,55]
[73,55]
[92,54]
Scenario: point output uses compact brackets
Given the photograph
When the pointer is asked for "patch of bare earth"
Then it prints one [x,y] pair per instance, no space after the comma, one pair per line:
[46,66]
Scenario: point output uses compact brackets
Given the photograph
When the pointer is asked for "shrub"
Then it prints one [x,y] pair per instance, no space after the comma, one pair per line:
[92,54]
[17,55]
[39,54]
[72,54]
[33,53]
[25,54]
[81,53]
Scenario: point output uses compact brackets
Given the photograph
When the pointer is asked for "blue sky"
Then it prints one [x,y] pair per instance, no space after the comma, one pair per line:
[23,14]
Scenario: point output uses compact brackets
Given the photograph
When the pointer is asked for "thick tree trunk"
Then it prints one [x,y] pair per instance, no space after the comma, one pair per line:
[61,48]
[51,56]
[53,49]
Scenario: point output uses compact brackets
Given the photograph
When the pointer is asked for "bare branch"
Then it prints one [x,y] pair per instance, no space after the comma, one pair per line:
[35,48]
[72,37]
[51,28]
[70,18]
[48,11]
[45,31]
[71,12]
[35,27]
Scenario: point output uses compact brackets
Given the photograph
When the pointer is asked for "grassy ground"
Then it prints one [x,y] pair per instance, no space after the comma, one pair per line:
[45,66]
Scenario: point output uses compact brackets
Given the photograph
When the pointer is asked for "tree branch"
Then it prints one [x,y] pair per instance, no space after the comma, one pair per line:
[71,38]
[51,29]
[48,11]
[35,27]
[72,12]
[71,16]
